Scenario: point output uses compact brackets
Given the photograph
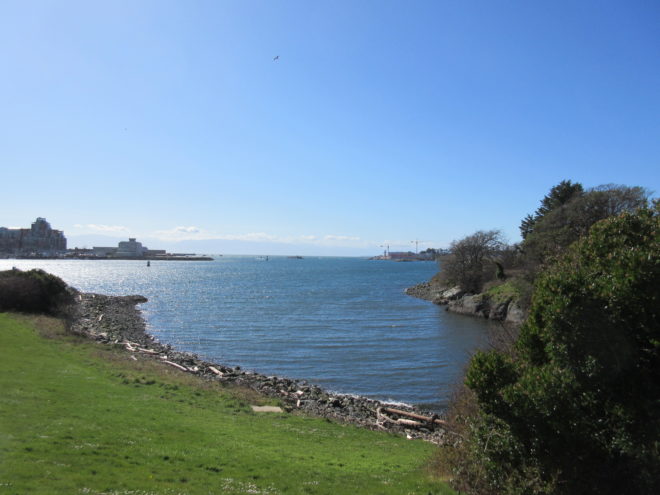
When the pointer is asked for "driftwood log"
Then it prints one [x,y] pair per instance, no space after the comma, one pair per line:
[422,420]
[215,370]
[175,365]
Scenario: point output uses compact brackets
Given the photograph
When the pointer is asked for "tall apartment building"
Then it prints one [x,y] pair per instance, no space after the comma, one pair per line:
[39,238]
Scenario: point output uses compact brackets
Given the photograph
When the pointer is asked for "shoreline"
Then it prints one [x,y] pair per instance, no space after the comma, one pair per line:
[114,258]
[507,310]
[116,320]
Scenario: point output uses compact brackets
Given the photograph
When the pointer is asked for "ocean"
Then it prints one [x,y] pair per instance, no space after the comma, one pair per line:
[344,324]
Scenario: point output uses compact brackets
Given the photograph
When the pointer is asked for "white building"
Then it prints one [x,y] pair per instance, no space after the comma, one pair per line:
[130,249]
[127,249]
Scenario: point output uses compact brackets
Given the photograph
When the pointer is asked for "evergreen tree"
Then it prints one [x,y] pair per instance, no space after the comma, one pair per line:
[559,195]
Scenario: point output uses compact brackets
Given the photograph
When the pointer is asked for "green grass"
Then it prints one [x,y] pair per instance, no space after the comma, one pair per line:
[78,417]
[503,291]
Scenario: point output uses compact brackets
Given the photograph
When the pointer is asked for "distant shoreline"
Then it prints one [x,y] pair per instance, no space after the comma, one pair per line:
[118,258]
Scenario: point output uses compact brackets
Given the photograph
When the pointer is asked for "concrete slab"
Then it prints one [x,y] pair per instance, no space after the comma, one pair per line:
[271,409]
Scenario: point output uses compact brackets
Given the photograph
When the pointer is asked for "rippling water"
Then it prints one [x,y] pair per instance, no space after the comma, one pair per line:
[342,323]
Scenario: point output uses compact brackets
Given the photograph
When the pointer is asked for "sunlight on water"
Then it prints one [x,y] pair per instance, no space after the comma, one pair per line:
[342,323]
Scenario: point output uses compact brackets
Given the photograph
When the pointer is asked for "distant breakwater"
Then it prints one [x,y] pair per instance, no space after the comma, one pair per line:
[116,320]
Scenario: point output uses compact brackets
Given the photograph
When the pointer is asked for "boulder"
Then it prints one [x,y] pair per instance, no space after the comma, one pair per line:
[515,314]
[499,309]
[453,293]
[447,295]
[476,305]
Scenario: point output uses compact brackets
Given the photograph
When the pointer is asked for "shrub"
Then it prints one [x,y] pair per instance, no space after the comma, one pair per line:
[575,408]
[33,291]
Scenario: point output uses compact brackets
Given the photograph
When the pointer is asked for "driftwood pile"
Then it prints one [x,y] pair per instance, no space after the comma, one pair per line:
[409,419]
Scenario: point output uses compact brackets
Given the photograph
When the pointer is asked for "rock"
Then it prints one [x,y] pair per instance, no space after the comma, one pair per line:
[425,290]
[480,305]
[515,314]
[447,295]
[498,310]
[476,305]
[453,293]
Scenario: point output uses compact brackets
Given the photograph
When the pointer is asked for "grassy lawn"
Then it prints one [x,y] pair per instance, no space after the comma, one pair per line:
[78,417]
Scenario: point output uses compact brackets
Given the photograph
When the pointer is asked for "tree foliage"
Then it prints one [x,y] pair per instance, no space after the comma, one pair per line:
[470,261]
[567,213]
[575,408]
[559,195]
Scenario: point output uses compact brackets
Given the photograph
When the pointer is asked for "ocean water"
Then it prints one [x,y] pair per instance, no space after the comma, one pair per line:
[342,323]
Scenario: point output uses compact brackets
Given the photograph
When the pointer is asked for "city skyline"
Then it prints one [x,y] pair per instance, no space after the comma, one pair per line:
[298,128]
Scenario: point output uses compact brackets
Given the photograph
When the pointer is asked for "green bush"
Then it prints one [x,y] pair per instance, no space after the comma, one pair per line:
[33,291]
[575,407]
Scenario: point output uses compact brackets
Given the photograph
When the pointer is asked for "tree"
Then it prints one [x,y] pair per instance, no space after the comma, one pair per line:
[527,225]
[565,216]
[559,195]
[470,256]
[602,202]
[576,407]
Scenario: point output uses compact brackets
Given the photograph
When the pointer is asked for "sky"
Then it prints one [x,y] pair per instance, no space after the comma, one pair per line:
[318,127]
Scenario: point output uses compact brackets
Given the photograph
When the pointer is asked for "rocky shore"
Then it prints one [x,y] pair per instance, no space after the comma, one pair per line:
[480,305]
[116,320]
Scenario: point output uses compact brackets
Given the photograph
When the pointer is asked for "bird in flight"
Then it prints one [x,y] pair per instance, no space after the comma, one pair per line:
[276,57]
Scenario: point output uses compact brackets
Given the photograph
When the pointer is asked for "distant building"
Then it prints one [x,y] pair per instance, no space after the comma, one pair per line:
[103,252]
[39,239]
[127,249]
[130,249]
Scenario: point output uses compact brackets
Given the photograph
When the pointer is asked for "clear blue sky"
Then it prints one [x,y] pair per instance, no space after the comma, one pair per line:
[381,121]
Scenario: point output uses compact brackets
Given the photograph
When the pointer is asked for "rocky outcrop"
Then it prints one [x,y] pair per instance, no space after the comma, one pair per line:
[434,293]
[480,305]
[483,306]
[425,290]
[474,305]
[116,321]
[447,295]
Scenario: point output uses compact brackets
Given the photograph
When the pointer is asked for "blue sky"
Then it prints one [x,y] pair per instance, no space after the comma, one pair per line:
[381,122]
